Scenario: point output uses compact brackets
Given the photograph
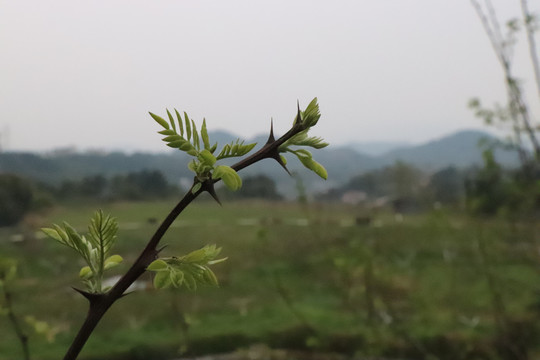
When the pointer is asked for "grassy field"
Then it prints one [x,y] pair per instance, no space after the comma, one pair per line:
[430,286]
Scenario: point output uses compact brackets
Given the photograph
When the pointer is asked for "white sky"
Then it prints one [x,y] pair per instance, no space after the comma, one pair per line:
[85,73]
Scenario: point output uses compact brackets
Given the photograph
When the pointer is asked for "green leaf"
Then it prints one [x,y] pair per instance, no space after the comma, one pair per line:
[196,187]
[162,280]
[171,120]
[207,157]
[204,135]
[195,135]
[229,176]
[172,138]
[93,248]
[167,132]
[177,278]
[179,118]
[53,234]
[177,144]
[192,165]
[311,115]
[195,256]
[157,265]
[102,233]
[160,120]
[210,277]
[235,149]
[86,273]
[314,166]
[188,126]
[112,261]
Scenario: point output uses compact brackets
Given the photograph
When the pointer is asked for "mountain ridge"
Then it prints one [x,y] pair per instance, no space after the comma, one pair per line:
[458,149]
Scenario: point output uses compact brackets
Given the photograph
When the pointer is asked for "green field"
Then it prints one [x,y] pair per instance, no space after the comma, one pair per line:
[430,286]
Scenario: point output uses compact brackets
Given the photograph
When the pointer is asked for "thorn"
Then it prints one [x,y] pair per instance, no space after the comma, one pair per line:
[208,186]
[89,296]
[161,248]
[275,155]
[271,138]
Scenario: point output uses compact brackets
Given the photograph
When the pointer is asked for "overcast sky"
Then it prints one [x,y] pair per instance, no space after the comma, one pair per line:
[86,73]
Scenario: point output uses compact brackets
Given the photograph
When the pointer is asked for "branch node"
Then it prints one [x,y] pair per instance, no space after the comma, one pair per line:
[276,156]
[92,298]
[208,186]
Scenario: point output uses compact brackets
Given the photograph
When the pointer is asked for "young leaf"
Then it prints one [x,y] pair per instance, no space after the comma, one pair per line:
[311,115]
[177,278]
[112,261]
[188,126]
[171,120]
[167,132]
[179,119]
[196,187]
[314,166]
[160,120]
[86,273]
[162,280]
[157,265]
[204,135]
[207,157]
[195,135]
[229,176]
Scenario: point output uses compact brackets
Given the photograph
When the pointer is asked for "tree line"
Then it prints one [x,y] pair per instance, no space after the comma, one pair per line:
[20,195]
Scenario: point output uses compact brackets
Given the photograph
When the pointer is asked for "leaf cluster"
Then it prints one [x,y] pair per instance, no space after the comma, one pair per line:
[94,247]
[190,270]
[307,119]
[182,134]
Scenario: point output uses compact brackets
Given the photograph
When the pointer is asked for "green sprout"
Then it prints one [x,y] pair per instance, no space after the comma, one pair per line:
[188,270]
[94,248]
[183,135]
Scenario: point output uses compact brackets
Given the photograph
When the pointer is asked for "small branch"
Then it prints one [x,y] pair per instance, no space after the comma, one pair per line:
[531,41]
[23,338]
[100,303]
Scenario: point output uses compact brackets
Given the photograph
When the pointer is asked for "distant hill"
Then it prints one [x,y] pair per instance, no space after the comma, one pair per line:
[342,162]
[376,148]
[460,149]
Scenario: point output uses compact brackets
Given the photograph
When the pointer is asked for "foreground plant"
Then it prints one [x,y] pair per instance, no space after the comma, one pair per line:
[19,324]
[193,269]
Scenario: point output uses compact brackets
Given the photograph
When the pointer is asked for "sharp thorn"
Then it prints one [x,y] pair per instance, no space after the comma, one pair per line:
[277,157]
[208,186]
[89,296]
[271,137]
[214,195]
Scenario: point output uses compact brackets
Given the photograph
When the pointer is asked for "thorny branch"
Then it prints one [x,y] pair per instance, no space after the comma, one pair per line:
[100,303]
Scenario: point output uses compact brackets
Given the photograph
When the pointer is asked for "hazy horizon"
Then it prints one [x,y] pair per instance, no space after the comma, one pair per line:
[372,147]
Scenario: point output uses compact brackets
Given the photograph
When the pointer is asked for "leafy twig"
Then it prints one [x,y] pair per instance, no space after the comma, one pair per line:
[184,136]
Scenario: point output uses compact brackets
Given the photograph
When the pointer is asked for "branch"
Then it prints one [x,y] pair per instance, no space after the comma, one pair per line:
[529,27]
[100,303]
[23,338]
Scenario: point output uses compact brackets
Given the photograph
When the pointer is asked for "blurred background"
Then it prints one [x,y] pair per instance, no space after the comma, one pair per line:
[421,244]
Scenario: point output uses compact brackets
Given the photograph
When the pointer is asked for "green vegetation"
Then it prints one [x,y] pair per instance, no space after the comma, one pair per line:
[187,270]
[15,199]
[418,288]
